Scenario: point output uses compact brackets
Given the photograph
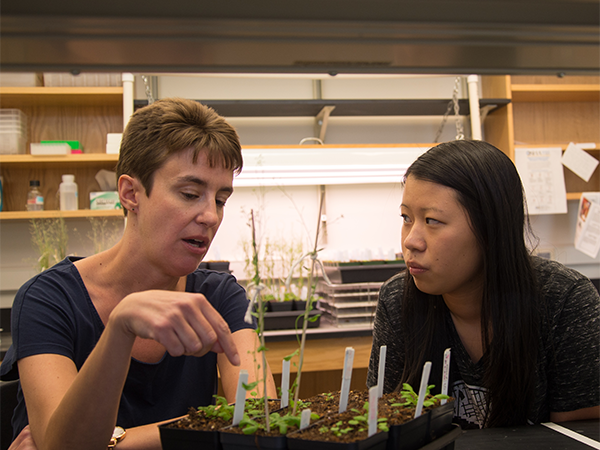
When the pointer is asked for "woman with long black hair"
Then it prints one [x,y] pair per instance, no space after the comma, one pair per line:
[524,332]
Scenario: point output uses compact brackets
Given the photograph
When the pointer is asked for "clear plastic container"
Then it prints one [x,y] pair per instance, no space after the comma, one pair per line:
[13,132]
[35,199]
[68,193]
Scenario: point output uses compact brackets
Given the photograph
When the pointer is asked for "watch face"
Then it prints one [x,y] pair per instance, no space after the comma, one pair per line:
[118,433]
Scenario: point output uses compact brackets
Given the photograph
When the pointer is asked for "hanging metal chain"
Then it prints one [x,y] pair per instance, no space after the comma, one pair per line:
[460,133]
[148,90]
[452,104]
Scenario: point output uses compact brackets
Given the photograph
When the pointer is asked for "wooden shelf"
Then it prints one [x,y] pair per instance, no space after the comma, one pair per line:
[555,92]
[81,213]
[80,159]
[16,97]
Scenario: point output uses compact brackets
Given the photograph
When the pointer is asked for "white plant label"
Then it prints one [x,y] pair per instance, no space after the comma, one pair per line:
[381,373]
[446,374]
[373,398]
[423,388]
[305,418]
[285,383]
[240,398]
[346,378]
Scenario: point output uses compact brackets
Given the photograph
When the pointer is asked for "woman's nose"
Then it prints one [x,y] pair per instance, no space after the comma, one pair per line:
[209,216]
[412,238]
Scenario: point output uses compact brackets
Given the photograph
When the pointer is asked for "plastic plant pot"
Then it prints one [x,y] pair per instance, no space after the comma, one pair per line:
[375,442]
[274,306]
[410,435]
[188,439]
[238,441]
[440,419]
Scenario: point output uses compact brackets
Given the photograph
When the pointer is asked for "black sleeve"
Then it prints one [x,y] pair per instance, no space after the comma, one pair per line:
[574,378]
[387,331]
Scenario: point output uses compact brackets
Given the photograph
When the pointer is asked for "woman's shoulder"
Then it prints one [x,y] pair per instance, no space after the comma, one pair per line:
[63,275]
[394,286]
[214,284]
[209,277]
[564,287]
[555,276]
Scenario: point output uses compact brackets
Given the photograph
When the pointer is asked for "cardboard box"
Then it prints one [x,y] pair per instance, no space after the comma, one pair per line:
[105,200]
[50,149]
[113,143]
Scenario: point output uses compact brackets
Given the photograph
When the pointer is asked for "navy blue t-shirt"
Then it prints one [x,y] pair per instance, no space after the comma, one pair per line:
[53,313]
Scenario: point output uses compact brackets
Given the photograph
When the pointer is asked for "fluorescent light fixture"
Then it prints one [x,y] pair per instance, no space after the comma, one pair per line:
[316,165]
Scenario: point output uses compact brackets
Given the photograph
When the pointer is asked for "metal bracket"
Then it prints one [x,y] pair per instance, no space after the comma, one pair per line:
[321,121]
[485,110]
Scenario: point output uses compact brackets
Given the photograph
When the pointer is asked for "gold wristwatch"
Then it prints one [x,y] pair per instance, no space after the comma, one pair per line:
[118,435]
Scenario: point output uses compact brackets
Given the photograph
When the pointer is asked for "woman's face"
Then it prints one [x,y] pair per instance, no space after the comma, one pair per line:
[180,218]
[438,244]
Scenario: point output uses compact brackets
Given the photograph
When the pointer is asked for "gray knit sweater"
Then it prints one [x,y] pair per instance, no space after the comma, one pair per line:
[571,328]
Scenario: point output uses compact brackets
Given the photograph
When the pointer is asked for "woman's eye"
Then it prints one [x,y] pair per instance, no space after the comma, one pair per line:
[405,218]
[221,203]
[189,196]
[431,221]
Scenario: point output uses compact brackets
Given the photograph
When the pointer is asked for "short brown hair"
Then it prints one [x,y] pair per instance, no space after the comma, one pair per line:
[167,126]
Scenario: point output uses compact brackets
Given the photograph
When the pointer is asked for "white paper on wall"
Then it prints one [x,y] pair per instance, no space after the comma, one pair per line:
[543,178]
[580,162]
[587,233]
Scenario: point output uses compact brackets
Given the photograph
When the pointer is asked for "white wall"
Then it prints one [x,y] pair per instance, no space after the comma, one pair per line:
[359,218]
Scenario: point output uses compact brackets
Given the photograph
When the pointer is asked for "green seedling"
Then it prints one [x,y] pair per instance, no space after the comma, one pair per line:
[362,420]
[220,409]
[411,398]
[359,423]
[250,425]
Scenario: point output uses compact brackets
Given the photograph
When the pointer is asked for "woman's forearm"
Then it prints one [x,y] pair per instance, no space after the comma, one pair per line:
[86,415]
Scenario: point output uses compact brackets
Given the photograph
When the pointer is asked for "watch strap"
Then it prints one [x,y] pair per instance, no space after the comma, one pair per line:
[118,435]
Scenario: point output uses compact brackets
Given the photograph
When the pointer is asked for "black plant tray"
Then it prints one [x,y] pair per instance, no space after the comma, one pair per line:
[411,435]
[236,441]
[286,320]
[375,442]
[219,266]
[274,306]
[363,272]
[446,441]
[187,439]
[440,420]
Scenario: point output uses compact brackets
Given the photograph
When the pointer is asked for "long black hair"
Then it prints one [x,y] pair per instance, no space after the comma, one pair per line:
[488,187]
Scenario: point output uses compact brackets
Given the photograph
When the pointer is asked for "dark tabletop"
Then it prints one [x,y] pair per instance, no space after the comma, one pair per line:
[530,437]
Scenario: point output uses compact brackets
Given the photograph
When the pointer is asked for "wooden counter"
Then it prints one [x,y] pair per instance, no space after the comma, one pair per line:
[321,354]
[323,362]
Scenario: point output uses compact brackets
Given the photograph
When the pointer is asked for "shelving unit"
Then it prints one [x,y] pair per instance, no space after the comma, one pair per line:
[13,97]
[312,108]
[532,110]
[546,111]
[81,213]
[85,114]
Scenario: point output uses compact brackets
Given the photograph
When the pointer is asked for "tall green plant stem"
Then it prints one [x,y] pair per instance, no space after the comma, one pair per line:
[261,318]
[308,304]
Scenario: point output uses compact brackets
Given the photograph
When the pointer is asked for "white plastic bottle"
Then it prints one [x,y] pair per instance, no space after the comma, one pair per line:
[68,193]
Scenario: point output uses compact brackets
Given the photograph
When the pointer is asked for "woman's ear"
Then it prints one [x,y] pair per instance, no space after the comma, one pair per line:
[129,189]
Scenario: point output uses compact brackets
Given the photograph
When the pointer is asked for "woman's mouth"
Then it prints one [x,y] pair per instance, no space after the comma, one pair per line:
[416,269]
[195,242]
[197,246]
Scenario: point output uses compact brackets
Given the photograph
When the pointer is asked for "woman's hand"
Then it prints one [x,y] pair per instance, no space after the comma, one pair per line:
[24,441]
[184,323]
